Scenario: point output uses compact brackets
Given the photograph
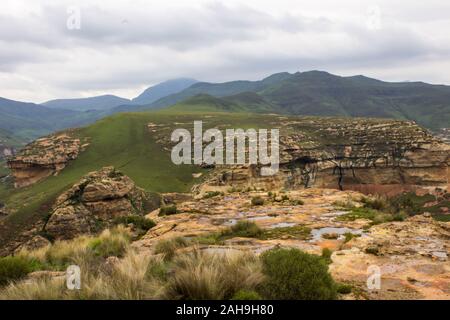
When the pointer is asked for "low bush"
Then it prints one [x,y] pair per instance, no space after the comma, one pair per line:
[168,210]
[245,229]
[212,194]
[326,255]
[294,275]
[257,201]
[139,222]
[343,288]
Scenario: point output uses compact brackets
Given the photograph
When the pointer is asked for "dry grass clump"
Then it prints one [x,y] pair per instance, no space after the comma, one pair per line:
[199,275]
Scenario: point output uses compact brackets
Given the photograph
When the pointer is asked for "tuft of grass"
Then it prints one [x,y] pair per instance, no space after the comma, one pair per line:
[81,250]
[202,276]
[169,247]
[110,243]
[212,194]
[14,268]
[140,224]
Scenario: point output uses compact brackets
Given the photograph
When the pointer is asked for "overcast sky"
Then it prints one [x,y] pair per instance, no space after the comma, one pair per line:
[122,47]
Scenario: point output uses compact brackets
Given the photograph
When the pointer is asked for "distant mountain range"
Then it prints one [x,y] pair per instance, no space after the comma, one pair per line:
[105,102]
[302,93]
[323,94]
[109,102]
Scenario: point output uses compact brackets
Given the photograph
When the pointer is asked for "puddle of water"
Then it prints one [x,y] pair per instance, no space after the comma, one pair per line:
[256,218]
[220,250]
[282,225]
[230,222]
[318,233]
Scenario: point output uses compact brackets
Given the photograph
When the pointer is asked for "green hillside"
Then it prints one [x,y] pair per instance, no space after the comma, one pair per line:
[243,102]
[123,141]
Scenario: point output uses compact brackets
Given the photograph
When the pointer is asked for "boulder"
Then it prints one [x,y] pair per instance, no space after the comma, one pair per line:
[95,202]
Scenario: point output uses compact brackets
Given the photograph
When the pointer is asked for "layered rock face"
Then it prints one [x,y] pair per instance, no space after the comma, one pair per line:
[367,155]
[43,158]
[94,202]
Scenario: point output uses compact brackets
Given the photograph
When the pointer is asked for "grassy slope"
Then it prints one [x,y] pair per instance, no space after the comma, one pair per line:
[123,141]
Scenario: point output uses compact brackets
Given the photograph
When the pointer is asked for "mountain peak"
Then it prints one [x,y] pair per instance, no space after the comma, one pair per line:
[163,89]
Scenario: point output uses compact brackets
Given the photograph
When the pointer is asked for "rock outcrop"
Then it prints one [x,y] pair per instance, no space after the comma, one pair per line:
[43,158]
[94,202]
[412,255]
[367,155]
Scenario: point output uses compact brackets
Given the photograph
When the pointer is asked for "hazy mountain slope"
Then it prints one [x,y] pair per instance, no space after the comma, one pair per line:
[28,120]
[9,139]
[324,94]
[220,89]
[242,102]
[163,89]
[104,102]
[321,93]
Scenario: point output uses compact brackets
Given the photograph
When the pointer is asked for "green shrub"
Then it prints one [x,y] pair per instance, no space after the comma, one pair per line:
[326,255]
[349,236]
[257,201]
[13,268]
[372,250]
[284,198]
[212,194]
[246,229]
[246,295]
[294,275]
[297,202]
[377,203]
[343,288]
[139,222]
[168,210]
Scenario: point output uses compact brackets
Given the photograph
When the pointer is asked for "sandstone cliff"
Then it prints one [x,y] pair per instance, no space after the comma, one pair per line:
[94,202]
[42,158]
[368,155]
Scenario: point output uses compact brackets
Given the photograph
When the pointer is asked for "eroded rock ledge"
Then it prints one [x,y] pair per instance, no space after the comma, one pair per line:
[43,158]
[94,202]
[367,155]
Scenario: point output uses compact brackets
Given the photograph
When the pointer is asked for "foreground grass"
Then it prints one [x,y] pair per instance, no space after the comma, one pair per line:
[111,269]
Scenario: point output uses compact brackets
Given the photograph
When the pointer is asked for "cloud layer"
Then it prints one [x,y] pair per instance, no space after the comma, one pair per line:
[124,46]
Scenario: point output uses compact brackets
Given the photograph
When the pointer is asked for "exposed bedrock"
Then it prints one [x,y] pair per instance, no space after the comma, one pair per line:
[386,157]
[43,158]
